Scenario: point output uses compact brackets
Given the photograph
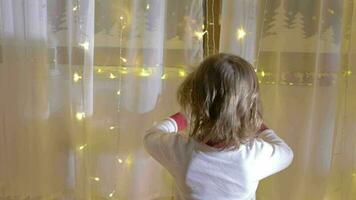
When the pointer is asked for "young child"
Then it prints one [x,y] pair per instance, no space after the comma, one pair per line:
[229,149]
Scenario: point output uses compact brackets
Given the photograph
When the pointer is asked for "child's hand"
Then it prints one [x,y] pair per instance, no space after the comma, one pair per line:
[263,127]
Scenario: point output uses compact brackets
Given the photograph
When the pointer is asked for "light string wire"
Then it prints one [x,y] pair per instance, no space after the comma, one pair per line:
[85,151]
[346,94]
[122,24]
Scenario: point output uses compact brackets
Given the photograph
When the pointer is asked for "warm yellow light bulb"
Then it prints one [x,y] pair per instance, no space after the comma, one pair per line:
[76,77]
[182,73]
[100,70]
[75,8]
[290,83]
[147,6]
[112,76]
[349,72]
[119,160]
[123,59]
[82,147]
[144,72]
[80,116]
[263,73]
[199,34]
[123,70]
[85,45]
[96,178]
[164,76]
[118,92]
[121,17]
[112,127]
[112,194]
[241,33]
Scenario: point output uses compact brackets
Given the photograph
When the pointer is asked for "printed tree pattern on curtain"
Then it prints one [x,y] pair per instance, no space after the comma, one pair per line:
[304,54]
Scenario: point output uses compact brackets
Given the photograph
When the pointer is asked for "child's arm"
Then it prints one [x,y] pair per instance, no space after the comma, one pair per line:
[273,154]
[158,138]
[172,124]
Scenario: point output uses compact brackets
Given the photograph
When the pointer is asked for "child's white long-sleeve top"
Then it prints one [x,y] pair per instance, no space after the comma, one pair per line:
[202,172]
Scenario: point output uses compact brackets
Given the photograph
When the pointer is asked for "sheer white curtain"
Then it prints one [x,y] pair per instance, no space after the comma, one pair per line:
[304,52]
[80,81]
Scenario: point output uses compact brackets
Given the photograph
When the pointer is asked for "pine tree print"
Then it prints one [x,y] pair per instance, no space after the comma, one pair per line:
[279,21]
[327,39]
[298,26]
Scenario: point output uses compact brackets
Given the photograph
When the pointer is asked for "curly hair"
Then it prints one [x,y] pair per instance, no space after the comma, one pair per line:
[221,99]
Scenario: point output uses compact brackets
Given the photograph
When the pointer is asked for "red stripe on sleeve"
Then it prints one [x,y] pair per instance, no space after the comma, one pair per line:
[180,120]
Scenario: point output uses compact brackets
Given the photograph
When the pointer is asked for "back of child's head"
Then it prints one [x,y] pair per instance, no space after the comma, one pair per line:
[221,100]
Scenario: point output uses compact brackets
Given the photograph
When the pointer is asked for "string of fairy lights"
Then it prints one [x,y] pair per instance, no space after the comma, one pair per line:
[296,78]
[78,74]
[117,72]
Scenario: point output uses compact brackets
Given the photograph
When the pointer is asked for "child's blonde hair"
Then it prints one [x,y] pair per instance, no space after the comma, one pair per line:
[222,101]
